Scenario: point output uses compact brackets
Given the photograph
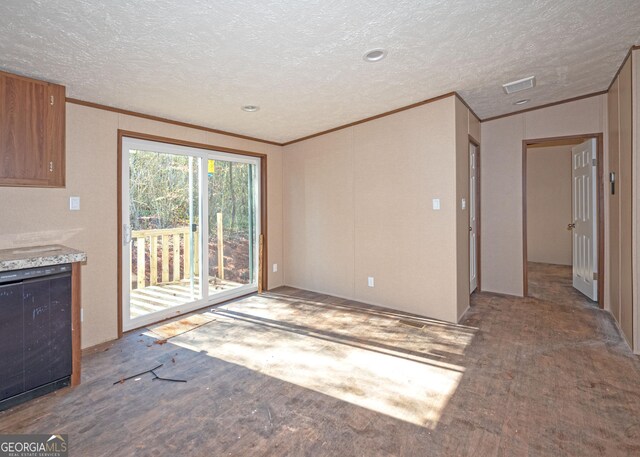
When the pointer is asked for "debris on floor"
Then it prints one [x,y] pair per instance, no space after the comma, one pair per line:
[152,371]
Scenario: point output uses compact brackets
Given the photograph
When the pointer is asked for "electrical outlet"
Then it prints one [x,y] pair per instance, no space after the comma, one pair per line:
[436,204]
[275,267]
[370,282]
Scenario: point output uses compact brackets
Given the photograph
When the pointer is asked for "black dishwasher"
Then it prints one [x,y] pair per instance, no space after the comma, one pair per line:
[35,332]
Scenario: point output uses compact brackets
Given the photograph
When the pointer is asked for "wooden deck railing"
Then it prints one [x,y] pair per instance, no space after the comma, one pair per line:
[175,260]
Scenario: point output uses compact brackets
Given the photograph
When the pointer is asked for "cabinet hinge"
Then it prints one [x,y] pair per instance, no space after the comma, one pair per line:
[51,100]
[50,167]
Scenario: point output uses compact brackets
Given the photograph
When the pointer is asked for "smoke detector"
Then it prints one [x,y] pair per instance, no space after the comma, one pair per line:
[519,85]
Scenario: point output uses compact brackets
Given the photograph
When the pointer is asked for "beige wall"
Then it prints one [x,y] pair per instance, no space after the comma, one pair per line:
[463,127]
[621,204]
[42,216]
[501,180]
[549,205]
[319,214]
[625,186]
[613,233]
[474,127]
[636,194]
[358,203]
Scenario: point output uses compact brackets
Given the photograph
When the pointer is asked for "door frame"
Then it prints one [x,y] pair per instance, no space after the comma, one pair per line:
[476,143]
[263,271]
[600,206]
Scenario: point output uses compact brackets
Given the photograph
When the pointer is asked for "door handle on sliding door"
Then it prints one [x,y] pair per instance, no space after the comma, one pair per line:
[126,234]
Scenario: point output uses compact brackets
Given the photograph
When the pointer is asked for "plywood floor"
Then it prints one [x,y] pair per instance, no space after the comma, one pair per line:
[294,373]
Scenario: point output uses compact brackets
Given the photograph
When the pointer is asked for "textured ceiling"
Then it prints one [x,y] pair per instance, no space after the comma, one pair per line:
[198,61]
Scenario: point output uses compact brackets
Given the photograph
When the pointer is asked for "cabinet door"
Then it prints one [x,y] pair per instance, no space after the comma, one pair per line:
[55,136]
[31,132]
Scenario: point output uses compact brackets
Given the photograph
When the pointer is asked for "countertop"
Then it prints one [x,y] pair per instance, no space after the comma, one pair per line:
[39,256]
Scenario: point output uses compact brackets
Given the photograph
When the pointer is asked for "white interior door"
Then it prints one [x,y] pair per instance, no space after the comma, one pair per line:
[473,219]
[585,249]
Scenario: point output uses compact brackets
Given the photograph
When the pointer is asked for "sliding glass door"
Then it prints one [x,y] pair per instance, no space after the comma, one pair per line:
[233,219]
[191,220]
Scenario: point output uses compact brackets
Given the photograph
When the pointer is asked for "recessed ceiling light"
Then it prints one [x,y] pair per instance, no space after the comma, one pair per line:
[375,55]
[250,108]
[522,102]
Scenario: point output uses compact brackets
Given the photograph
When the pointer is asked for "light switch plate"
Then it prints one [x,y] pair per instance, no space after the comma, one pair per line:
[275,267]
[436,204]
[370,282]
[74,203]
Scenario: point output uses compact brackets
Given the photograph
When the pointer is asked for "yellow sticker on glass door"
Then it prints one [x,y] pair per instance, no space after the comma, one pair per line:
[212,167]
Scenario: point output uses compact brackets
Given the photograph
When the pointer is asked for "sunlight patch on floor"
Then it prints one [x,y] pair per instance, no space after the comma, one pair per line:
[357,367]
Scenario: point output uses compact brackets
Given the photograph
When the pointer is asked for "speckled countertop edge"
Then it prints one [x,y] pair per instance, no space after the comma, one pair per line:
[39,256]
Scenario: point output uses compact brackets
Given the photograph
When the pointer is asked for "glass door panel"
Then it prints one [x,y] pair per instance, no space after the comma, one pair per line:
[232,238]
[163,214]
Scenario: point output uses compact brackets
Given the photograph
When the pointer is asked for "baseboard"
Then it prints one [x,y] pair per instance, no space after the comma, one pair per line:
[98,347]
[464,314]
[501,294]
[617,324]
[379,305]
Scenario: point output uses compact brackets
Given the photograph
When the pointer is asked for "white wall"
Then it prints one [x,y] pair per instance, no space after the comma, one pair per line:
[549,205]
[501,180]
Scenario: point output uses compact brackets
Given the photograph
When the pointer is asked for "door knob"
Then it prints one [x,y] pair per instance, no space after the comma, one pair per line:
[571,226]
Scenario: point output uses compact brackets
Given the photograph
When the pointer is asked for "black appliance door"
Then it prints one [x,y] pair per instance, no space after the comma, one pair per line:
[11,341]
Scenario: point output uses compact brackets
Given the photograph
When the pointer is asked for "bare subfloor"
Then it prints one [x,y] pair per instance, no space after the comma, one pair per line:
[295,373]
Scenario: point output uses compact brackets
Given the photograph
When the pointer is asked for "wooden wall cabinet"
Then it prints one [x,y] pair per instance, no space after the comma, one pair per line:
[32,132]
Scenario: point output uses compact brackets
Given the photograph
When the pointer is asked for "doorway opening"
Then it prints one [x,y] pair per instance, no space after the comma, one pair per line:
[563,220]
[191,219]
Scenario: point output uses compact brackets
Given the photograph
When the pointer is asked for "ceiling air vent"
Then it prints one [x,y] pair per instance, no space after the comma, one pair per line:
[519,85]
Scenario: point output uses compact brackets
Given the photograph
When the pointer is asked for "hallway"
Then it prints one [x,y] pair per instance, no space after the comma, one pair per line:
[554,283]
[573,383]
